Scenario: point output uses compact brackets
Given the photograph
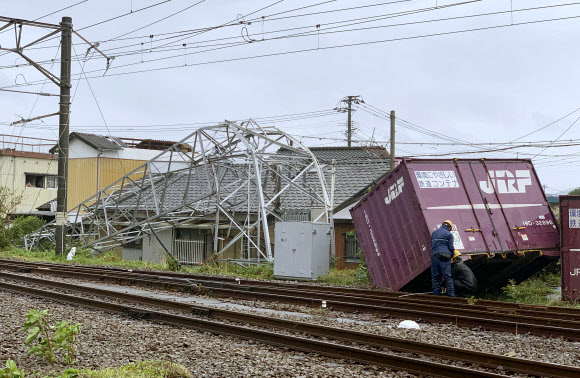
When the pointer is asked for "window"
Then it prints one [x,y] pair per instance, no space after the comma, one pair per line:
[351,247]
[135,244]
[51,182]
[40,181]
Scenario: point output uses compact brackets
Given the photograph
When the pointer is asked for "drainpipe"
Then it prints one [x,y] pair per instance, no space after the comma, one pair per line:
[99,169]
[331,212]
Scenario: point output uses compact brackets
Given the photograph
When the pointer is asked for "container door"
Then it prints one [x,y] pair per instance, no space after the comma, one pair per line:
[446,190]
[483,227]
[518,210]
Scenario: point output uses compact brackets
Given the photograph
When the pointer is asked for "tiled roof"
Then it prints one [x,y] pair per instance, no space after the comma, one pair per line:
[98,142]
[350,154]
[355,169]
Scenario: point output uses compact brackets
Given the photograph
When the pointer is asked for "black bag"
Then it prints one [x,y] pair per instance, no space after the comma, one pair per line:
[442,256]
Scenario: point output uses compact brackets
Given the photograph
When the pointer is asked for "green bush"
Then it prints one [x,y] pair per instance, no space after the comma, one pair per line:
[11,370]
[22,226]
[362,272]
[45,340]
[534,290]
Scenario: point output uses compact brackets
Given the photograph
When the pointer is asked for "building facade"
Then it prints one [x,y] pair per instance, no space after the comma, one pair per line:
[28,174]
[97,161]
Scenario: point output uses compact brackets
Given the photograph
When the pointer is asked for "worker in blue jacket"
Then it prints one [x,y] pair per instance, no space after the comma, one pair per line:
[441,252]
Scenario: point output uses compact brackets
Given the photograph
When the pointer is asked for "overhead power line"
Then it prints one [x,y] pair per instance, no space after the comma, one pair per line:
[324,29]
[318,49]
[561,135]
[548,125]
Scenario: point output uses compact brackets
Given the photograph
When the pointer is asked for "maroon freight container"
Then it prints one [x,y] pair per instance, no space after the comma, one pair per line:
[502,221]
[570,237]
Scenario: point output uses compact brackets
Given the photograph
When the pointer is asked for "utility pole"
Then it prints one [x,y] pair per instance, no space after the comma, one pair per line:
[348,100]
[349,133]
[63,134]
[64,83]
[392,166]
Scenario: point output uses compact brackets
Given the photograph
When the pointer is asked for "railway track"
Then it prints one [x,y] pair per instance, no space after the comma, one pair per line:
[362,347]
[537,320]
[368,293]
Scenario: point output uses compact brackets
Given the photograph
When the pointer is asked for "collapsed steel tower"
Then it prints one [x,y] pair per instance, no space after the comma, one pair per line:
[237,178]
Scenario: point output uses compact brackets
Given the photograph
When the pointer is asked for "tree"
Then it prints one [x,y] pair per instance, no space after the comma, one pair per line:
[575,192]
[8,204]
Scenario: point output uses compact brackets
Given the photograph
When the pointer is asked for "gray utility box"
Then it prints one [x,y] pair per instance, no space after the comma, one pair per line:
[301,250]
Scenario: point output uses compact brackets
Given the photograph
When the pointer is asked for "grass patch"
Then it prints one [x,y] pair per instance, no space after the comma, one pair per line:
[85,257]
[143,369]
[536,290]
[82,257]
[344,277]
[224,268]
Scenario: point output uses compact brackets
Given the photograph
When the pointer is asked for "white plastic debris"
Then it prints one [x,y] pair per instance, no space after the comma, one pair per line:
[408,324]
[72,253]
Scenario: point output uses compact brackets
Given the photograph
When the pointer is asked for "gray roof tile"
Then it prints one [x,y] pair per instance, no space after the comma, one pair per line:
[356,168]
[98,142]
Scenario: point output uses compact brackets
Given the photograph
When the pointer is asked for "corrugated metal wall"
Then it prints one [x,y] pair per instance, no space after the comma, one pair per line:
[83,176]
[82,180]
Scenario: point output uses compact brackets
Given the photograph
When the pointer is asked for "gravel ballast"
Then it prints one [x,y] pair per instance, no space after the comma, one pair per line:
[110,340]
[292,363]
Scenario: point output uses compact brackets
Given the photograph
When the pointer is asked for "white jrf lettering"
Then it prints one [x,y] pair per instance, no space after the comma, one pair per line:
[575,272]
[505,182]
[394,191]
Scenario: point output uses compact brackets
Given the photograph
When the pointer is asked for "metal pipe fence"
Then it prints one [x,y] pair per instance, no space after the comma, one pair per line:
[189,251]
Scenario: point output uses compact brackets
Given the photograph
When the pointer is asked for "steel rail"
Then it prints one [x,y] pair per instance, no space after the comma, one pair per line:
[458,308]
[516,308]
[400,345]
[392,361]
[478,319]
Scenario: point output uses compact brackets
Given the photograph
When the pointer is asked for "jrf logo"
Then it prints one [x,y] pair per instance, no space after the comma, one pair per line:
[505,182]
[394,191]
[575,272]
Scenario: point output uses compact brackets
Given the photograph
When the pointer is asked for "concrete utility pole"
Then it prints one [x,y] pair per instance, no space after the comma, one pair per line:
[392,166]
[64,83]
[63,133]
[349,110]
[348,100]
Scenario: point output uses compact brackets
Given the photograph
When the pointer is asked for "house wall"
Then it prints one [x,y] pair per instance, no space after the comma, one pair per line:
[153,251]
[12,175]
[91,170]
[340,230]
[80,150]
[88,175]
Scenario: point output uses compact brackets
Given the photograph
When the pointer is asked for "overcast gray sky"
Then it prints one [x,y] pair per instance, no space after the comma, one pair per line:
[482,86]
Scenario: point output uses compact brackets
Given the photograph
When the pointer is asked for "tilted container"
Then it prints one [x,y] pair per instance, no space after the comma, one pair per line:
[503,224]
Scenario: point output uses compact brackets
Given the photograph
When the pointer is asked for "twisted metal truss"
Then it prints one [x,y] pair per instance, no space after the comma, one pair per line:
[230,176]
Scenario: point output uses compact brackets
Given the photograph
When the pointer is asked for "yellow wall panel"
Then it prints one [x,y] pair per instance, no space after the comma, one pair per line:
[85,179]
[114,169]
[82,180]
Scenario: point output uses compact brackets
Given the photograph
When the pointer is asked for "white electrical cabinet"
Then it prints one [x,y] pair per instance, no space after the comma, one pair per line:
[301,250]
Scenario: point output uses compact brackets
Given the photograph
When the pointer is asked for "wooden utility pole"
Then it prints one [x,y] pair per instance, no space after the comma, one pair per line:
[392,166]
[63,134]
